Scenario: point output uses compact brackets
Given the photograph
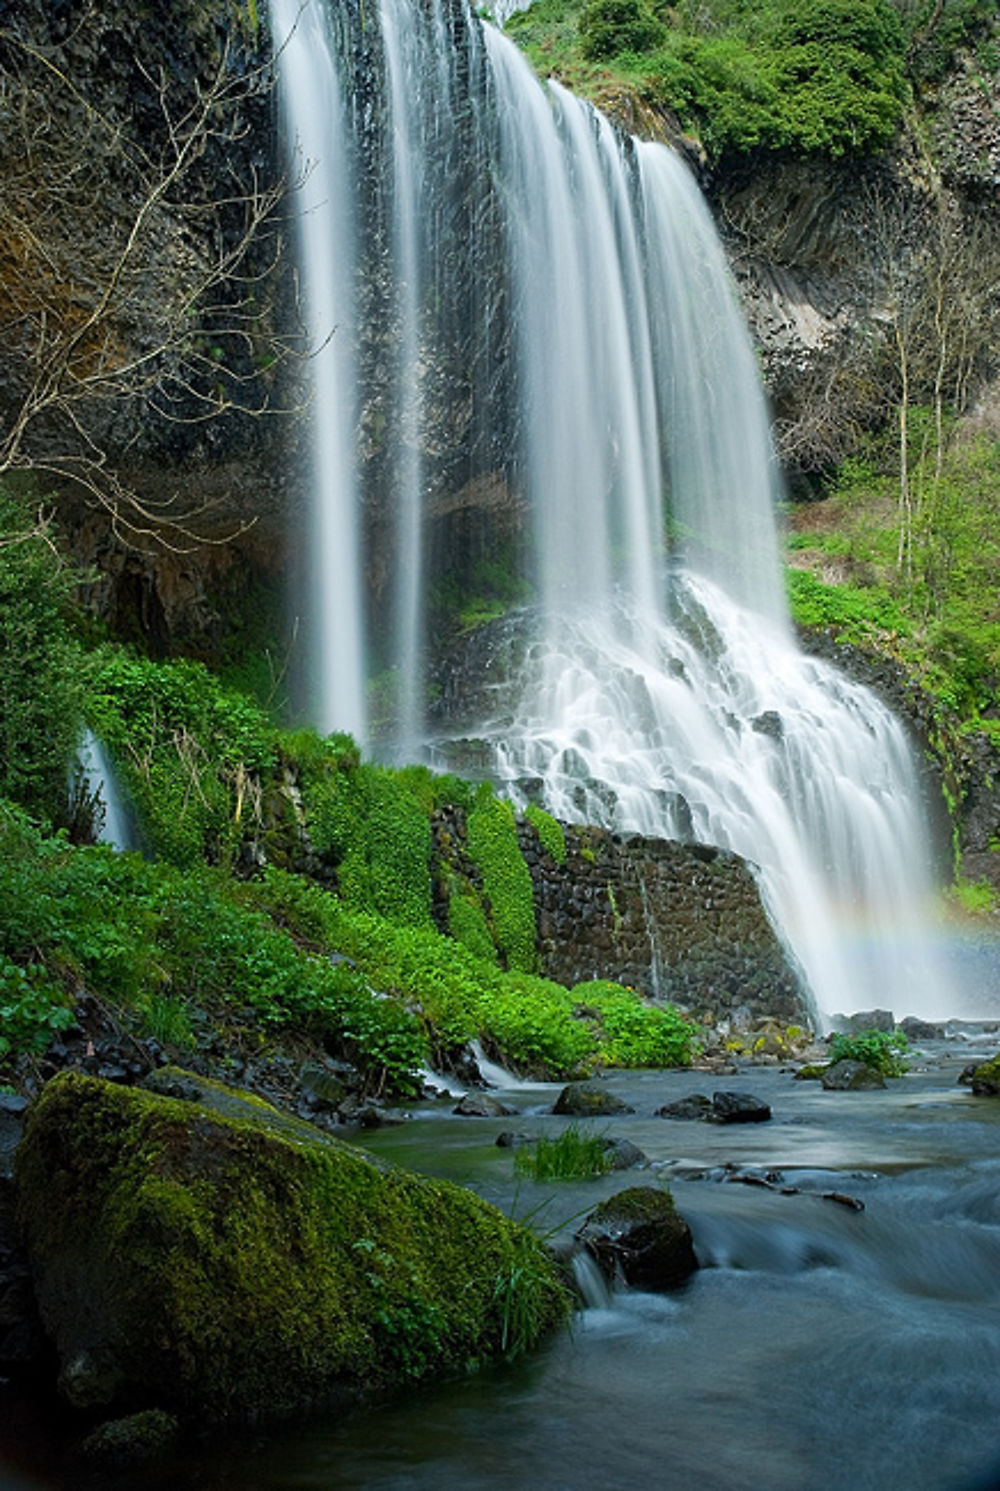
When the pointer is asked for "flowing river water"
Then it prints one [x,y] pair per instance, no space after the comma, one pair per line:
[818,1348]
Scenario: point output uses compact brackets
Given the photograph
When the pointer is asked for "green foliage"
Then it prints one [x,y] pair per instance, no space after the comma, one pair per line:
[572,1155]
[634,1033]
[880,1049]
[185,749]
[493,848]
[40,693]
[372,823]
[934,32]
[975,896]
[32,1008]
[937,612]
[858,612]
[467,924]
[164,943]
[608,27]
[549,830]
[819,77]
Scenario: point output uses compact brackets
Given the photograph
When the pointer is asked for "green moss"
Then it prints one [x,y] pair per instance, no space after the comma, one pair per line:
[549,830]
[493,848]
[467,924]
[226,1269]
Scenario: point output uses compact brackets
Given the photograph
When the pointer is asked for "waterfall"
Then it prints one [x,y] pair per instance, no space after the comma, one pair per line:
[115,826]
[537,309]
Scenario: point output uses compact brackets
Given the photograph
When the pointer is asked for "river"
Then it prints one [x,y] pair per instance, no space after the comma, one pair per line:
[819,1347]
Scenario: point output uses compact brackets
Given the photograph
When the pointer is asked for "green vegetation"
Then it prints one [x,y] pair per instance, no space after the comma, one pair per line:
[935,608]
[823,76]
[494,849]
[880,1049]
[242,1264]
[549,831]
[40,688]
[572,1155]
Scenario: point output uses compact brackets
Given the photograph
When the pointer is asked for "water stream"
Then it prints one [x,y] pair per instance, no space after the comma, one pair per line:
[818,1348]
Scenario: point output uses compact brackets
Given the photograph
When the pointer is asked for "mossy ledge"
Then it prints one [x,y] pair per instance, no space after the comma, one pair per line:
[236,1268]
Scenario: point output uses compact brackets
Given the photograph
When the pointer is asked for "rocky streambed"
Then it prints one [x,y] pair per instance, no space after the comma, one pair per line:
[842,1328]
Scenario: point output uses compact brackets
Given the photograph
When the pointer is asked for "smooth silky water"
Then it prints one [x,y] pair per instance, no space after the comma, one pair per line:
[818,1348]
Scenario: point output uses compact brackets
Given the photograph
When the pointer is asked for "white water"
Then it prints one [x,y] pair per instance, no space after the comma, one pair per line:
[664,693]
[317,126]
[115,828]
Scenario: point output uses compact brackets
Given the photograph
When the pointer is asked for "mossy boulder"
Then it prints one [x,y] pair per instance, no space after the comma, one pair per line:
[640,1236]
[985,1080]
[232,1267]
[588,1100]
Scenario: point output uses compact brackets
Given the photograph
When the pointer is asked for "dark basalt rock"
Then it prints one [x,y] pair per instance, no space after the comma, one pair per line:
[850,1076]
[738,1107]
[639,1235]
[695,1106]
[588,1100]
[481,1105]
[623,1154]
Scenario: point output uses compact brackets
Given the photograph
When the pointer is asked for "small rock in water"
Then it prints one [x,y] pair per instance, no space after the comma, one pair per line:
[588,1100]
[481,1105]
[850,1076]
[640,1235]
[510,1139]
[739,1107]
[696,1105]
[920,1030]
[623,1154]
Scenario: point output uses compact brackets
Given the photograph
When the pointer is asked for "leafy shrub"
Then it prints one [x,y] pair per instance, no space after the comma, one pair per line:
[185,749]
[637,1034]
[608,27]
[880,1049]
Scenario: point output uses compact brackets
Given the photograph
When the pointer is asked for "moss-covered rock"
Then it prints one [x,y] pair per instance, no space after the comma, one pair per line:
[640,1236]
[985,1080]
[233,1267]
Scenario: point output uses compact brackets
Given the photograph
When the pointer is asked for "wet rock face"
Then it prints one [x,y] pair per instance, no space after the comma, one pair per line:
[639,1236]
[682,922]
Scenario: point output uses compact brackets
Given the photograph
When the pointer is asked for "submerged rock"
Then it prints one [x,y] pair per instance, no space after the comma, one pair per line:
[640,1236]
[850,1076]
[242,1264]
[588,1100]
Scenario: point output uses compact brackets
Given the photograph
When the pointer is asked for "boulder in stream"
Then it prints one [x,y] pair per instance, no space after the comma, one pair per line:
[218,1259]
[481,1105]
[738,1107]
[639,1235]
[847,1075]
[985,1078]
[589,1100]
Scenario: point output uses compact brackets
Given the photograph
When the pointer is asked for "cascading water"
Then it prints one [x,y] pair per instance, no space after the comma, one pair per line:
[545,310]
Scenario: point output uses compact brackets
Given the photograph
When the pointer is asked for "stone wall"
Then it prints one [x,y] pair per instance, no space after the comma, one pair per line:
[679,922]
